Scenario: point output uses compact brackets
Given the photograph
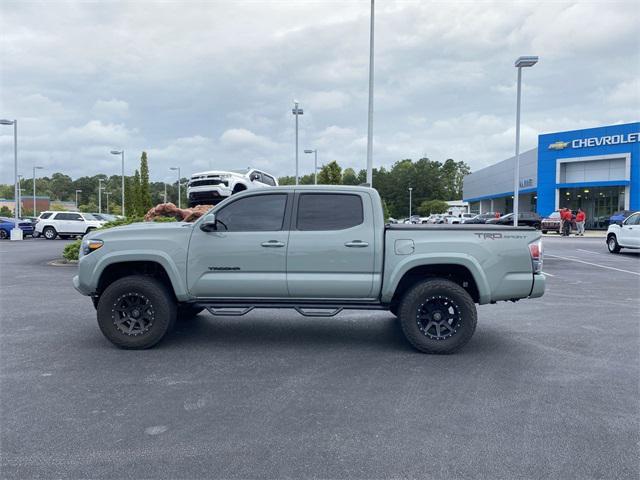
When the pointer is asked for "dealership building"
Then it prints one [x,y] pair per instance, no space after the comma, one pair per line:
[596,169]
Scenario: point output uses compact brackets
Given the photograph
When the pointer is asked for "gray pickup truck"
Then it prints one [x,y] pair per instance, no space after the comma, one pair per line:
[316,249]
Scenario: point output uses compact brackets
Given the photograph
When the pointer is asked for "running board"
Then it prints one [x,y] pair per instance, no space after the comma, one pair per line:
[310,309]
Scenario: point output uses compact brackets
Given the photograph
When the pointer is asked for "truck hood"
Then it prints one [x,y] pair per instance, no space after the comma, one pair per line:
[144,229]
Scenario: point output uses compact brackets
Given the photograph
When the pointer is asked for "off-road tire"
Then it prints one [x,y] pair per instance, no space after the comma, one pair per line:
[49,233]
[612,244]
[438,291]
[186,311]
[160,311]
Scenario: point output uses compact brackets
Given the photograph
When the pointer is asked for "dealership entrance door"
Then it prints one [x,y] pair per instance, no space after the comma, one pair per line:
[599,203]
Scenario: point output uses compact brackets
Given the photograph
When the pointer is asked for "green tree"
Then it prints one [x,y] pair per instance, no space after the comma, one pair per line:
[5,211]
[349,177]
[145,192]
[429,207]
[129,200]
[136,199]
[330,174]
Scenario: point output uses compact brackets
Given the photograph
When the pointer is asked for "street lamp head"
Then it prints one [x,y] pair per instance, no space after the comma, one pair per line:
[116,152]
[526,61]
[78,191]
[38,168]
[174,168]
[6,122]
[308,151]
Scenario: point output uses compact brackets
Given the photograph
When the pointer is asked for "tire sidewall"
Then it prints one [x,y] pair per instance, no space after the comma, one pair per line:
[456,294]
[616,247]
[161,300]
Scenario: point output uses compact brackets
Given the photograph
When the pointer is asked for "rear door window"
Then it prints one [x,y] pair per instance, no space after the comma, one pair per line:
[321,211]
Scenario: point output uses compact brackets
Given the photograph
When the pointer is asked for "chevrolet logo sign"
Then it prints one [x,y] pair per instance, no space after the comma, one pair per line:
[558,145]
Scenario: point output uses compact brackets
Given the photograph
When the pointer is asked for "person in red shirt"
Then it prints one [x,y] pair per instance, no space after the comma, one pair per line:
[566,217]
[580,219]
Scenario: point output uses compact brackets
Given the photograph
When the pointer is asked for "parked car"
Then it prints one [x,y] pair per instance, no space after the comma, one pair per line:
[328,250]
[105,217]
[209,188]
[480,218]
[525,219]
[625,235]
[552,222]
[620,216]
[7,224]
[66,224]
[450,219]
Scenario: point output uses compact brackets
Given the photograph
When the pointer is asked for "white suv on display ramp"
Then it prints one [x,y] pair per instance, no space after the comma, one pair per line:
[209,188]
[66,224]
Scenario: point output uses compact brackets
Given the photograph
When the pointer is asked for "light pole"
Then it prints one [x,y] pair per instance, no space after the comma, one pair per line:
[410,190]
[178,169]
[315,165]
[100,180]
[16,233]
[19,196]
[107,194]
[35,214]
[165,192]
[296,111]
[77,191]
[521,62]
[370,116]
[121,152]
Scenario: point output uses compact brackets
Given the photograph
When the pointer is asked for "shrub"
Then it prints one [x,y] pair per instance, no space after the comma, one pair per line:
[72,250]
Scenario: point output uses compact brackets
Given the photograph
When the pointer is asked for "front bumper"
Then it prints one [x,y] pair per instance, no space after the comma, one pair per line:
[537,290]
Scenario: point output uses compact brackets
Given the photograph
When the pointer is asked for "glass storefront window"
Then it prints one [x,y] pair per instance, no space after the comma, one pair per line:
[598,203]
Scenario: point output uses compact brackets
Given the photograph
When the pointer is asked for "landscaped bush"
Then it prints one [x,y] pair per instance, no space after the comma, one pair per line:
[72,250]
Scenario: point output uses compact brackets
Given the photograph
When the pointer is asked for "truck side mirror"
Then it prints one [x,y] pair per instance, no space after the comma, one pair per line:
[209,223]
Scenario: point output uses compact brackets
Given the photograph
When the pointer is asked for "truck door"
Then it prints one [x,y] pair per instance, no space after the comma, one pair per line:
[331,246]
[630,232]
[246,256]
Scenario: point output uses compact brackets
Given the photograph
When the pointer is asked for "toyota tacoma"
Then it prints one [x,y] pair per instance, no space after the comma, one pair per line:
[316,249]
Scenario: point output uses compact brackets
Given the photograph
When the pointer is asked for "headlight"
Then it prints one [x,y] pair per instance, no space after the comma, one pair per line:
[90,245]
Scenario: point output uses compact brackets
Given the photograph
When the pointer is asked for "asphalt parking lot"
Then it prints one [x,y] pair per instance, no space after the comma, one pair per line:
[547,388]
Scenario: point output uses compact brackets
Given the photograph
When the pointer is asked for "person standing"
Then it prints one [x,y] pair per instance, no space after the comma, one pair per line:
[580,220]
[561,226]
[567,217]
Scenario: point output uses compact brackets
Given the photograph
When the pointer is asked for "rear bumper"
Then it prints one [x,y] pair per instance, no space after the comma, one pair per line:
[537,290]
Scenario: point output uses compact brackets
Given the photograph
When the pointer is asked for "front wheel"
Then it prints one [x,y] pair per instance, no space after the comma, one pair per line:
[437,316]
[136,312]
[3,235]
[612,244]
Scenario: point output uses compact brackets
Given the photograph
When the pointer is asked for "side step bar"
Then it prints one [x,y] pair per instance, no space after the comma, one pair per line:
[233,309]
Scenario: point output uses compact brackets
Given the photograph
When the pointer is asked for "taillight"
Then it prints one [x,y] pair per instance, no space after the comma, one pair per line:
[535,250]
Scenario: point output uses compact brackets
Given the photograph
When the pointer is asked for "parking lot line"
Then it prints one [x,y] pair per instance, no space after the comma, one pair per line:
[590,251]
[594,264]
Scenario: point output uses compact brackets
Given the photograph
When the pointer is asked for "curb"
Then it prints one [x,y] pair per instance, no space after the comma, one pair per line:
[61,262]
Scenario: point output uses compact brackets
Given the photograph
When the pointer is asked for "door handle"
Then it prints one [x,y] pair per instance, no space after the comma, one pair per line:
[272,244]
[356,244]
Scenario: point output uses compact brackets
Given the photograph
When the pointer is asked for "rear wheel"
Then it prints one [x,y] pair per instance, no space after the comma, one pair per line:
[544,232]
[49,233]
[136,312]
[3,235]
[437,316]
[612,244]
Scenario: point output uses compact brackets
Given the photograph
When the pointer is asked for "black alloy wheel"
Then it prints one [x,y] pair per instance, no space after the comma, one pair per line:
[438,317]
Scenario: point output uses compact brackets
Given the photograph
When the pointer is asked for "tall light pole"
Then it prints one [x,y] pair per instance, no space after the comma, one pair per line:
[178,169]
[77,191]
[315,164]
[100,180]
[165,192]
[20,196]
[121,152]
[521,62]
[410,190]
[16,233]
[35,214]
[296,111]
[370,116]
[107,194]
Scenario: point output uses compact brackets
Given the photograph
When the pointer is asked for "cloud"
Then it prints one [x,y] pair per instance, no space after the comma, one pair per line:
[245,138]
[213,82]
[110,109]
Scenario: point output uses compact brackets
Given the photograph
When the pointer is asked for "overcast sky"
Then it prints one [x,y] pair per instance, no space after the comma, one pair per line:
[211,84]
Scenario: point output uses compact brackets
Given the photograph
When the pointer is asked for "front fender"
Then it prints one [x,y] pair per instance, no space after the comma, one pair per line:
[89,272]
[412,261]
